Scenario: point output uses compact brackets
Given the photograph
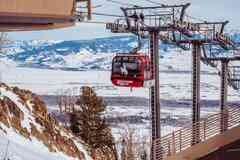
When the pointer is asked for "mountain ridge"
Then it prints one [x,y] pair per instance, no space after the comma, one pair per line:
[76,54]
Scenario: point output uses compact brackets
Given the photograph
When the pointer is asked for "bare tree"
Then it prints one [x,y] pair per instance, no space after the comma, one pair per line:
[127,144]
[66,100]
[133,146]
[3,40]
[59,100]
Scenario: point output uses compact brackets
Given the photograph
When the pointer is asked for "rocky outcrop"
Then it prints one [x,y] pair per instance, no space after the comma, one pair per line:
[27,114]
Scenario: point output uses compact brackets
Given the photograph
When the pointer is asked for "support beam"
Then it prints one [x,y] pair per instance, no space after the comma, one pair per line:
[89,5]
[223,97]
[196,58]
[154,91]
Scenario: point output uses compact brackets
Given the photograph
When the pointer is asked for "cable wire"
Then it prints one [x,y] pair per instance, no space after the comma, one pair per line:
[122,3]
[95,22]
[153,2]
[195,18]
[85,7]
[102,14]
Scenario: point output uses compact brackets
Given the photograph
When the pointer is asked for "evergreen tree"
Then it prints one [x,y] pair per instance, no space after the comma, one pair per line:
[74,123]
[89,124]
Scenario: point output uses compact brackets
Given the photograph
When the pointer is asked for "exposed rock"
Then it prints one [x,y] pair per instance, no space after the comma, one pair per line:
[36,123]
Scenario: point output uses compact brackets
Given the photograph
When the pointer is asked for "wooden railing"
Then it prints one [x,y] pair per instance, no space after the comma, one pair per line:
[208,127]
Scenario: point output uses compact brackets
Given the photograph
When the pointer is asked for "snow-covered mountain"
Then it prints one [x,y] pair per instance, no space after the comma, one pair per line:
[70,55]
[74,55]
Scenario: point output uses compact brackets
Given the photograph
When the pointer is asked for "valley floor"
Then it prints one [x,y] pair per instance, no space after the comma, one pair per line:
[128,106]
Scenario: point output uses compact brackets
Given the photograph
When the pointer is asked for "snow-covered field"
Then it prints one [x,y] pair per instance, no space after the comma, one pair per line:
[175,80]
[175,84]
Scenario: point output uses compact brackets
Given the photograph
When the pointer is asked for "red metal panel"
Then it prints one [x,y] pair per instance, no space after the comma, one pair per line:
[130,80]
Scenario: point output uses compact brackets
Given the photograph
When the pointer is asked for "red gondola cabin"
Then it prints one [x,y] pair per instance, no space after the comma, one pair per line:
[131,70]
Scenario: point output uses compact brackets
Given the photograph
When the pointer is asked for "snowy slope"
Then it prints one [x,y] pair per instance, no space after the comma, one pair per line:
[20,148]
[23,136]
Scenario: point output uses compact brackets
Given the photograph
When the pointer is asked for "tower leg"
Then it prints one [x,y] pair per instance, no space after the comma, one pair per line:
[154,92]
[223,97]
[89,4]
[196,58]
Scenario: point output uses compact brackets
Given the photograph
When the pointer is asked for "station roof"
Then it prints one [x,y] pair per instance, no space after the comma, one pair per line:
[28,15]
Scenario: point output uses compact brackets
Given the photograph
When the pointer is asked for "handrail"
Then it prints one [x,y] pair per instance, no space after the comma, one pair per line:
[181,139]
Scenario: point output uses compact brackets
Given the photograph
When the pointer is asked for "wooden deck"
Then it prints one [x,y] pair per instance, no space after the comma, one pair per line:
[212,140]
[228,152]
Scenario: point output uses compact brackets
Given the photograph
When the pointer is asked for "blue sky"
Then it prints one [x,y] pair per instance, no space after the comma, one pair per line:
[212,10]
